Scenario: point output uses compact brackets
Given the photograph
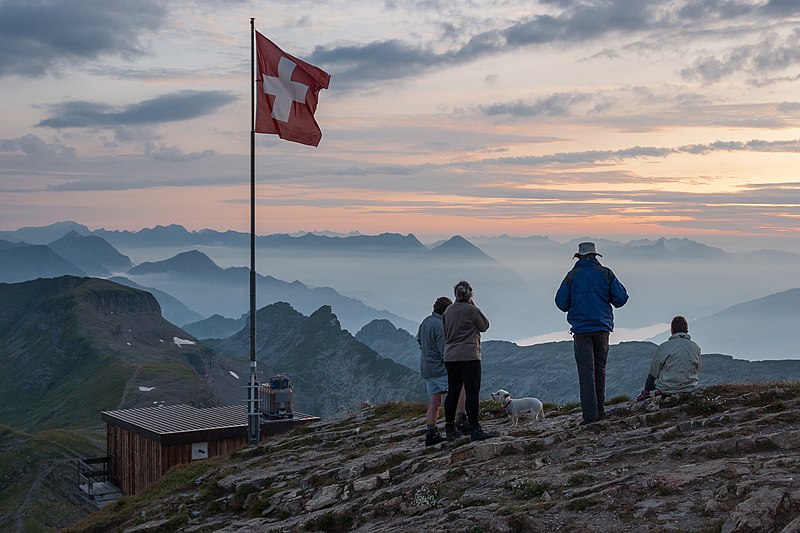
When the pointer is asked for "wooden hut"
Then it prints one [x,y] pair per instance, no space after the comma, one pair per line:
[143,444]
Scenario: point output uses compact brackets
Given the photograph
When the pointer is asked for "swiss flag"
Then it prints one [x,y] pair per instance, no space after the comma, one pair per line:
[287,90]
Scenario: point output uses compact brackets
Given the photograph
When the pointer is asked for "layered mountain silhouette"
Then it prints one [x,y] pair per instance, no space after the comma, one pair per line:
[209,289]
[92,254]
[44,234]
[663,248]
[400,274]
[515,278]
[173,309]
[394,242]
[756,329]
[22,261]
[664,277]
[329,368]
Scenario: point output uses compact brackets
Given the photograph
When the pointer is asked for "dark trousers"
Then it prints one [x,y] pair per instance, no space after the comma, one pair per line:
[591,353]
[468,375]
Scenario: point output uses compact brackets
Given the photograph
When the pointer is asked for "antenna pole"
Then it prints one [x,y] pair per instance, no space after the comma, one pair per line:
[253,425]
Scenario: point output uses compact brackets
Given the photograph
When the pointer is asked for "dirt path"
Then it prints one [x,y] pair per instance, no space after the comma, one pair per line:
[127,387]
[30,497]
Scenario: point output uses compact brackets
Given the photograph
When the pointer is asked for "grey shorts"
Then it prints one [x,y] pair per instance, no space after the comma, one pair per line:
[437,385]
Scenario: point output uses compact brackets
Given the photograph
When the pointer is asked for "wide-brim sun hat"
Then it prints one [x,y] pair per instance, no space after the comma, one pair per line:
[586,248]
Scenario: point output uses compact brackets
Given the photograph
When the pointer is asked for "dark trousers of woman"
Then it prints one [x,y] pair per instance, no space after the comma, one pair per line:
[468,375]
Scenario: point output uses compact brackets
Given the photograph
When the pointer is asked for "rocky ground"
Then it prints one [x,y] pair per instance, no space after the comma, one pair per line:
[726,458]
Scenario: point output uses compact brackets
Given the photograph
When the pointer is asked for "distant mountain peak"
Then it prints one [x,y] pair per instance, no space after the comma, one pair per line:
[72,235]
[192,261]
[379,324]
[91,253]
[460,246]
[325,312]
[196,255]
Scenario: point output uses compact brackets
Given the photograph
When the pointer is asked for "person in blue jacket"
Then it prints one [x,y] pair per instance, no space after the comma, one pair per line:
[586,295]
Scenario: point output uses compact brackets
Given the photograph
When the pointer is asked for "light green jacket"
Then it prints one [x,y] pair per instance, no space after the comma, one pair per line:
[676,364]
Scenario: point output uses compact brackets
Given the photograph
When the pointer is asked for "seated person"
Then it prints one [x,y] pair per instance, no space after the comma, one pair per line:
[676,364]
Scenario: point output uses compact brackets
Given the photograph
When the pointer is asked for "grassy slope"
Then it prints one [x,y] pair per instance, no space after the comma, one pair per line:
[67,355]
[64,357]
[39,468]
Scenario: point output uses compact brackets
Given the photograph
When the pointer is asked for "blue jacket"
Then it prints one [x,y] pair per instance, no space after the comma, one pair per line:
[587,294]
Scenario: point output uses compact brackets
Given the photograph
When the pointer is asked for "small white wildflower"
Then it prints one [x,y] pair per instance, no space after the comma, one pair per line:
[425,496]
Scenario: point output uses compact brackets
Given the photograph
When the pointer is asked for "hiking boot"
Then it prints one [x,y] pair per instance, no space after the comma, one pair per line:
[433,437]
[647,394]
[477,433]
[450,432]
[463,424]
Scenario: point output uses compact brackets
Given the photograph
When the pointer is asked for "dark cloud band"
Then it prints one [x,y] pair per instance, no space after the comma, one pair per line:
[38,37]
[172,107]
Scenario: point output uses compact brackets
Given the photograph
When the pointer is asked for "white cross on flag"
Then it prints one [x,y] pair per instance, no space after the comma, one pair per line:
[287,94]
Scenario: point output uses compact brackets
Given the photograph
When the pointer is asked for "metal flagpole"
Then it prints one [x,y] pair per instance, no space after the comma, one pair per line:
[253,426]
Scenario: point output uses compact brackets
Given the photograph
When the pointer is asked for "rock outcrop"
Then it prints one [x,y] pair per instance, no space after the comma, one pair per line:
[722,459]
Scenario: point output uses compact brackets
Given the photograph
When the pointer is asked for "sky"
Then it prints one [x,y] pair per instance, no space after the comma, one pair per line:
[566,118]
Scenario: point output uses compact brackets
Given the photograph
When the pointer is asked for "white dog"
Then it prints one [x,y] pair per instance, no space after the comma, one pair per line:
[518,406]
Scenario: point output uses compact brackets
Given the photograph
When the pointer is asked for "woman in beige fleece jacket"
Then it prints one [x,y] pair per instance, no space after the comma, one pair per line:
[463,325]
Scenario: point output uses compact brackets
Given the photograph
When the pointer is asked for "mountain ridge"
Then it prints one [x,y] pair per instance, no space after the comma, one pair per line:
[91,343]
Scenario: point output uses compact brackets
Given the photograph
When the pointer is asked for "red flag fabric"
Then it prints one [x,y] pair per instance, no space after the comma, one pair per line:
[286,94]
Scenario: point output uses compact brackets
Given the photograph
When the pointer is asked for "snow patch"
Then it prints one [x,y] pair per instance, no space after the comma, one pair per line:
[181,342]
[234,374]
[145,389]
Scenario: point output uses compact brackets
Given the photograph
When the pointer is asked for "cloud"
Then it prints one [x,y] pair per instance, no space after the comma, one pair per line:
[378,60]
[569,22]
[782,7]
[391,59]
[465,178]
[126,183]
[172,107]
[636,152]
[558,104]
[583,21]
[756,145]
[36,149]
[641,109]
[789,107]
[767,56]
[41,37]
[695,10]
[173,154]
